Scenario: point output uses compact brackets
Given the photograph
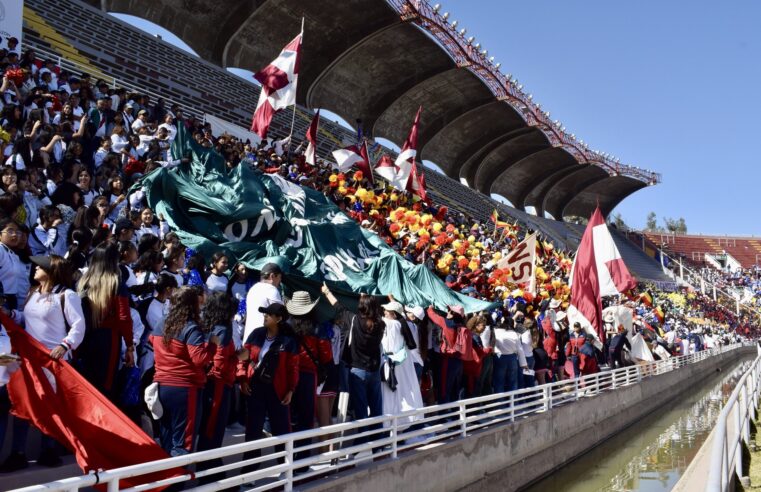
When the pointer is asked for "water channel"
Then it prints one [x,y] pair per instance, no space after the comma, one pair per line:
[652,454]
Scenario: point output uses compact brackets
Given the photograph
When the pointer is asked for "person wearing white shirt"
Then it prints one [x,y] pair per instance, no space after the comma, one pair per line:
[156,309]
[118,139]
[261,294]
[217,281]
[102,152]
[48,237]
[510,358]
[146,223]
[140,121]
[53,313]
[169,126]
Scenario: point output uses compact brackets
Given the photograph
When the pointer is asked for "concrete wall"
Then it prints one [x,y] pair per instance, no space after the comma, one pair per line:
[512,456]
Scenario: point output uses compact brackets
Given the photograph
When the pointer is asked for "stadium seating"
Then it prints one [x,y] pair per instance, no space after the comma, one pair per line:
[72,29]
[694,248]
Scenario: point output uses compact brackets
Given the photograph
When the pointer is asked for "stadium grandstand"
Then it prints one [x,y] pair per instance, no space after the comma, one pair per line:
[164,71]
[222,252]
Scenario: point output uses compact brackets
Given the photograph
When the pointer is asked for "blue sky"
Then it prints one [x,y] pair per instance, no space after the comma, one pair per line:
[667,86]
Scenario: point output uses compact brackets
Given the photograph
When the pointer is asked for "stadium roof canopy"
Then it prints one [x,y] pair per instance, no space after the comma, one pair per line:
[378,60]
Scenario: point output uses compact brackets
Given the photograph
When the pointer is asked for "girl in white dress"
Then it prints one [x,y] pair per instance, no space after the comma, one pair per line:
[407,395]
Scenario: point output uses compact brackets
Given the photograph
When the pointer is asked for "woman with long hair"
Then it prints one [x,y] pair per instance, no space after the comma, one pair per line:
[111,322]
[218,313]
[181,356]
[314,356]
[362,355]
[84,181]
[53,316]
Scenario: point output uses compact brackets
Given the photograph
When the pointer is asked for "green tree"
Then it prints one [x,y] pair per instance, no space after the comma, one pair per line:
[618,221]
[652,222]
[678,226]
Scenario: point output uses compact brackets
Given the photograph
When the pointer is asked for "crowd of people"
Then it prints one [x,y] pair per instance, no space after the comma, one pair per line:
[187,345]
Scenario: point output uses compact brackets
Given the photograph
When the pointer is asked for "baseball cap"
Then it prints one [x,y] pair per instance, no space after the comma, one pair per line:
[271,268]
[276,309]
[41,261]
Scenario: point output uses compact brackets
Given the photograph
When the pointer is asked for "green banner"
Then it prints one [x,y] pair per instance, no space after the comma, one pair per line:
[257,218]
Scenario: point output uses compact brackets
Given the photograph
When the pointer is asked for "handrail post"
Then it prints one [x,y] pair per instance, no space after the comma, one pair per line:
[512,407]
[613,379]
[463,420]
[113,485]
[289,471]
[737,441]
[546,396]
[394,436]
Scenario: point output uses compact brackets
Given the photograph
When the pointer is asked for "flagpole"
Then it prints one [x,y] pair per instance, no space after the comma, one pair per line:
[293,117]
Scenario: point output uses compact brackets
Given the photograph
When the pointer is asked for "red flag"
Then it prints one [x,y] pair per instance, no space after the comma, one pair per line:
[598,270]
[56,399]
[311,152]
[405,161]
[416,183]
[364,165]
[278,81]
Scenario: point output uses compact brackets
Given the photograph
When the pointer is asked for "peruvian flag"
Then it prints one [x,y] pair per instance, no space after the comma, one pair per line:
[278,81]
[353,156]
[57,400]
[598,270]
[311,152]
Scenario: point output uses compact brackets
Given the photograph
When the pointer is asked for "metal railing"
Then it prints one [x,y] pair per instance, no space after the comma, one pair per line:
[385,436]
[732,429]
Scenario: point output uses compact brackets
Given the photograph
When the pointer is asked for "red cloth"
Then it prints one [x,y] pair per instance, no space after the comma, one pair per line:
[550,342]
[321,350]
[224,364]
[75,414]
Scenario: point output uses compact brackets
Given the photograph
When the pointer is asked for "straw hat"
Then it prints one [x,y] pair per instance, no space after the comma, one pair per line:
[300,303]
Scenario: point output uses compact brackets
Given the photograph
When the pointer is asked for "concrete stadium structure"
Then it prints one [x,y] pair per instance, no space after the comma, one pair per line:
[378,60]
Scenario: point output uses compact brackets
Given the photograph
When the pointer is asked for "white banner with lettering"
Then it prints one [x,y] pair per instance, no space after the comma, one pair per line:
[11,20]
[521,262]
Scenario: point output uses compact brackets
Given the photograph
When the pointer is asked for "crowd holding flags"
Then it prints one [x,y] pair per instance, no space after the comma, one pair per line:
[598,270]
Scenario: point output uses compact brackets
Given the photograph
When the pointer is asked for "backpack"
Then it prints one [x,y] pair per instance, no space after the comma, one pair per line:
[463,345]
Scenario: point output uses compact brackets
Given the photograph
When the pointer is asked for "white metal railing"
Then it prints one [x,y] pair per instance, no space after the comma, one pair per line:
[390,436]
[732,428]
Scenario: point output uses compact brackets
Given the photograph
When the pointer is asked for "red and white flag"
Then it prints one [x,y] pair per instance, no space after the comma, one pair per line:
[416,183]
[311,152]
[278,81]
[388,170]
[521,261]
[353,156]
[598,270]
[403,174]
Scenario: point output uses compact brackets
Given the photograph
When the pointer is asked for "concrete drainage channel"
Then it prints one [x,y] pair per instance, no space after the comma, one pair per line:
[513,456]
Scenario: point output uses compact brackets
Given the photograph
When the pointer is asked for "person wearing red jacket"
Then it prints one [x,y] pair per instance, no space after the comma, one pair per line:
[218,313]
[587,357]
[451,359]
[313,352]
[181,357]
[572,351]
[105,303]
[268,373]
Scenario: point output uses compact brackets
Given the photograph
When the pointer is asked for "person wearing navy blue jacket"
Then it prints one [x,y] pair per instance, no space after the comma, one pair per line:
[182,356]
[268,374]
